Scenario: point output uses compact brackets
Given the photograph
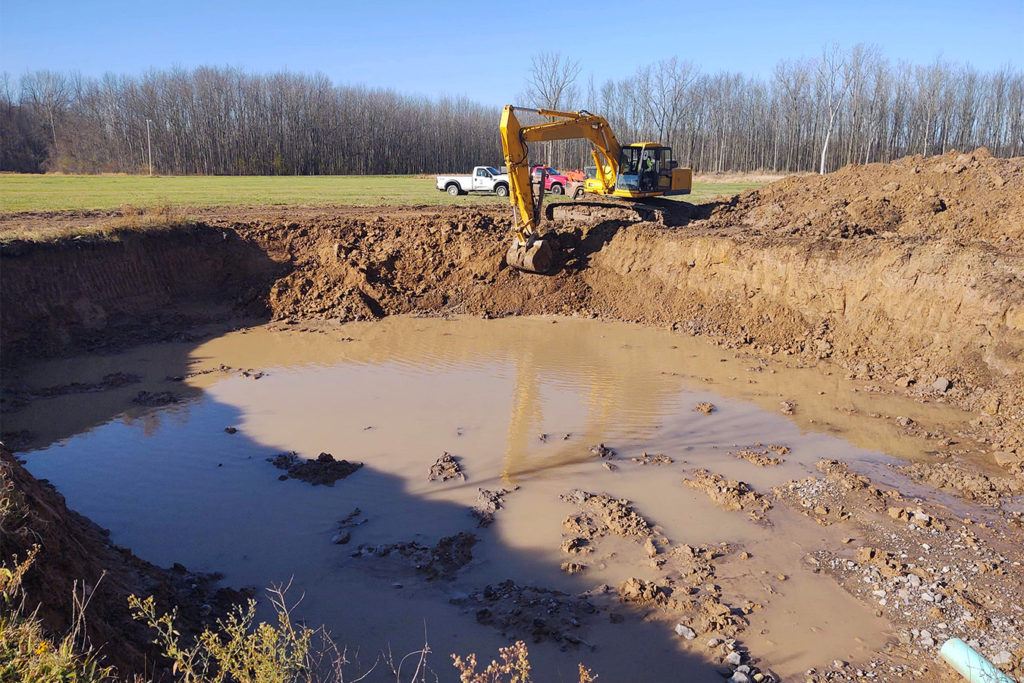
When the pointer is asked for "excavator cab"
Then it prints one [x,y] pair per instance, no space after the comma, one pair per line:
[647,169]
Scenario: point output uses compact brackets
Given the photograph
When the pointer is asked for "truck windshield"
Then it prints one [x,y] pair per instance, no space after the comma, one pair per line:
[493,170]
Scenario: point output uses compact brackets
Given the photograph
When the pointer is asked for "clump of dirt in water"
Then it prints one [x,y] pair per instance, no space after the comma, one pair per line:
[154,399]
[705,407]
[446,467]
[730,494]
[761,455]
[646,458]
[489,502]
[965,482]
[607,515]
[539,614]
[325,470]
[440,561]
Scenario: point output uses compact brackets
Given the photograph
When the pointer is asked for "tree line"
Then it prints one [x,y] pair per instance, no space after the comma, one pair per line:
[840,107]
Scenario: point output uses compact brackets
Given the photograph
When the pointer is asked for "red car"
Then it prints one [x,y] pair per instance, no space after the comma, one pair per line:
[554,182]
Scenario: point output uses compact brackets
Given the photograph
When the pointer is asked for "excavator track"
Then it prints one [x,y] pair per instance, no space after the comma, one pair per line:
[654,210]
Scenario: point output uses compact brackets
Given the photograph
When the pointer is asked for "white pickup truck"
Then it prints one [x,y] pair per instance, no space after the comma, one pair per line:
[483,179]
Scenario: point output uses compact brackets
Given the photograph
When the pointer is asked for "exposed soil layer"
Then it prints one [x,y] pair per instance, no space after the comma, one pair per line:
[75,556]
[909,275]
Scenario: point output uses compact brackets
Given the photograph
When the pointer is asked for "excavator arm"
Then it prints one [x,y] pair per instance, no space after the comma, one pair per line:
[528,251]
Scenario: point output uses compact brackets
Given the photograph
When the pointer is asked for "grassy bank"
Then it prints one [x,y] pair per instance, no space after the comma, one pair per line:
[27,192]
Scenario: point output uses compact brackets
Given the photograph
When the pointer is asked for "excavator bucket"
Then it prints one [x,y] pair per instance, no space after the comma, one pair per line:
[536,257]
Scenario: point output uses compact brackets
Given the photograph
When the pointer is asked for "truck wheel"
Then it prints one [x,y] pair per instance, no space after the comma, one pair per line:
[501,190]
[453,189]
[578,194]
[556,188]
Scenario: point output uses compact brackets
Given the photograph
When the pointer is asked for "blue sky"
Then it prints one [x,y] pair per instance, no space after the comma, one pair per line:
[481,49]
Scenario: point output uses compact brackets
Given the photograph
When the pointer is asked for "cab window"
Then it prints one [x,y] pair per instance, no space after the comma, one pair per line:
[482,173]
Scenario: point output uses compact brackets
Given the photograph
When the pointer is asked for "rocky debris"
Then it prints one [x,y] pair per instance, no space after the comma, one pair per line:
[917,517]
[440,561]
[730,494]
[488,502]
[602,451]
[646,458]
[787,407]
[530,612]
[705,408]
[325,470]
[942,385]
[446,467]
[154,399]
[933,577]
[685,631]
[570,567]
[231,430]
[833,498]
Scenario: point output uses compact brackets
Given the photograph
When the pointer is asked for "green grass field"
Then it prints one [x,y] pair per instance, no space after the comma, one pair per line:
[27,192]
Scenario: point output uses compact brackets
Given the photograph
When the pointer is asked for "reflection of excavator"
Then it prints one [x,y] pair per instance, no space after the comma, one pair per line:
[641,172]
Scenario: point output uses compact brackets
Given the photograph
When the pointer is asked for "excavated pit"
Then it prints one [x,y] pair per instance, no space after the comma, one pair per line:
[874,317]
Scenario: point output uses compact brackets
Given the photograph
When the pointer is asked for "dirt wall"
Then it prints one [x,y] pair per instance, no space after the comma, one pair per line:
[84,294]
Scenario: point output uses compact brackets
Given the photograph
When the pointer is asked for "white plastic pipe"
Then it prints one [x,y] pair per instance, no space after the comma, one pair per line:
[970,664]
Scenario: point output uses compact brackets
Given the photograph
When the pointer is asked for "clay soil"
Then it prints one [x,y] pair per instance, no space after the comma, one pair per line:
[908,277]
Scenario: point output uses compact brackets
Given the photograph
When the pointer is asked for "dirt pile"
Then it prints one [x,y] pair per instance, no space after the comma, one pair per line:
[967,196]
[488,502]
[323,471]
[730,494]
[446,467]
[76,555]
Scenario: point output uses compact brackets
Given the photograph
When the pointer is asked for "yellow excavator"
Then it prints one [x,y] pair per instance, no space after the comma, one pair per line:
[640,172]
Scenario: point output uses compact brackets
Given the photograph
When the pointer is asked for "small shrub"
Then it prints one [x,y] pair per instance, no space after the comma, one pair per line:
[512,666]
[26,652]
[238,650]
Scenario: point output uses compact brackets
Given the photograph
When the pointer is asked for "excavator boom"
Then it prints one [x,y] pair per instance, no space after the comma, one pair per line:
[639,172]
[528,251]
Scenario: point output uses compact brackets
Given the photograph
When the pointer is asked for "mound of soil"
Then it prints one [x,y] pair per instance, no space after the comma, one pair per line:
[966,196]
[323,471]
[446,467]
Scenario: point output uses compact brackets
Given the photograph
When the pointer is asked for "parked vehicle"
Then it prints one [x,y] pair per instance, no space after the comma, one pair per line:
[554,182]
[483,179]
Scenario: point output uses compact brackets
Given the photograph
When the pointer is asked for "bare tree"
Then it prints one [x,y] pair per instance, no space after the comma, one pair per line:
[848,107]
[833,83]
[551,84]
[49,92]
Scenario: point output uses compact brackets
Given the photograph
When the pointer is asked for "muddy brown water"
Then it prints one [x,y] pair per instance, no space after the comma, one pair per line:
[171,484]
